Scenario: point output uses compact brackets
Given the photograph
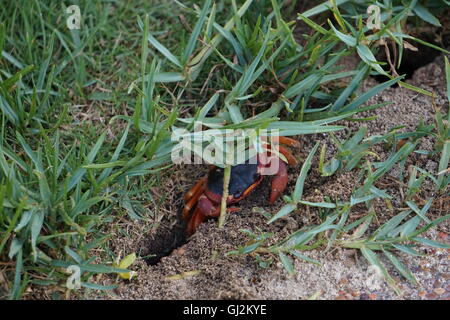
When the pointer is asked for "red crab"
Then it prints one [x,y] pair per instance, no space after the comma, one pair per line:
[204,199]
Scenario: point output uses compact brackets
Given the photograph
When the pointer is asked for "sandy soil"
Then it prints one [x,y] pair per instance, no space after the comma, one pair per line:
[205,272]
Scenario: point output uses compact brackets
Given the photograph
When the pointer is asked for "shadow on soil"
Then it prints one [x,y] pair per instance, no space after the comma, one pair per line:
[412,60]
[164,241]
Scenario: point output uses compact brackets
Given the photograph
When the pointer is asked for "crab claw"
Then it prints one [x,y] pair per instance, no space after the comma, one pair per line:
[196,219]
[205,209]
[279,182]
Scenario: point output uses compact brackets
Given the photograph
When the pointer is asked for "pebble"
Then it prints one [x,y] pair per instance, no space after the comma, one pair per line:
[349,262]
[439,291]
[432,295]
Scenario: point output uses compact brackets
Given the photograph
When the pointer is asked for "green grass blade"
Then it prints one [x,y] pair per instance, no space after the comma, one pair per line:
[391,224]
[419,212]
[400,267]
[300,256]
[354,84]
[432,243]
[324,6]
[196,32]
[285,210]
[287,263]
[164,51]
[426,15]
[447,77]
[371,256]
[298,191]
[443,165]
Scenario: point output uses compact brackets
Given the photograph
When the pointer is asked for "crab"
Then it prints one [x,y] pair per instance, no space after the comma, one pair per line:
[204,199]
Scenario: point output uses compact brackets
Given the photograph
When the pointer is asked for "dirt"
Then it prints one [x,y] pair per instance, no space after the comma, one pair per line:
[200,269]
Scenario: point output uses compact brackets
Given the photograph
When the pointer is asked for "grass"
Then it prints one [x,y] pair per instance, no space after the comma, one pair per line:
[66,154]
[87,118]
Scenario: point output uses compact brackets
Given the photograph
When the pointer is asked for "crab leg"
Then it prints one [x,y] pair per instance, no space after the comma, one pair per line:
[290,158]
[196,219]
[205,209]
[192,197]
[279,182]
[195,189]
[289,142]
